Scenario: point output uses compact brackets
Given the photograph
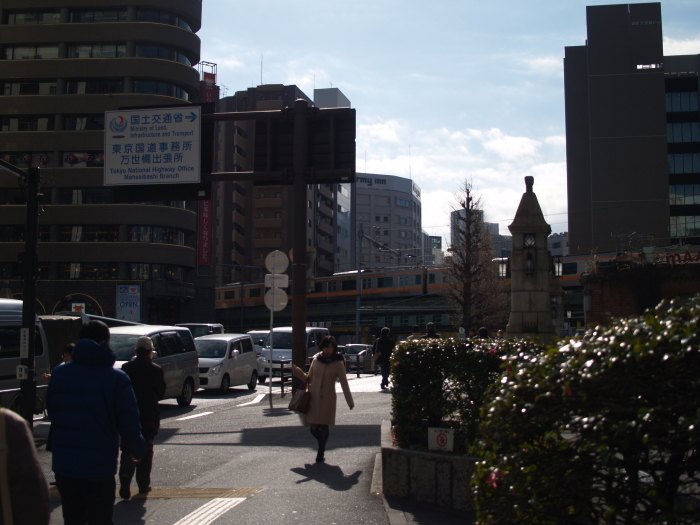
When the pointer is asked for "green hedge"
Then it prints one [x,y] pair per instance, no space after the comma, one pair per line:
[604,430]
[441,383]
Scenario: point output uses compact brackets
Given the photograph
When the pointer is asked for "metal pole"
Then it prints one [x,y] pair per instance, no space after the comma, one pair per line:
[272,336]
[300,162]
[359,284]
[28,347]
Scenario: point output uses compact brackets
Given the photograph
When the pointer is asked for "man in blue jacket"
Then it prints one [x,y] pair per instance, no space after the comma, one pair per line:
[91,404]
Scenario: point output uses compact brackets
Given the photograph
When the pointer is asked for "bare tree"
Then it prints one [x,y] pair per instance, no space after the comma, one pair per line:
[479,296]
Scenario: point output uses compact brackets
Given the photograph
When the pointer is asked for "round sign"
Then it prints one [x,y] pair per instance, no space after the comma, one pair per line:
[276,262]
[441,440]
[276,299]
[461,330]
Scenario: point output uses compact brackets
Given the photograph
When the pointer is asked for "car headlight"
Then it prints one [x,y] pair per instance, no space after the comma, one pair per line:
[262,359]
[214,370]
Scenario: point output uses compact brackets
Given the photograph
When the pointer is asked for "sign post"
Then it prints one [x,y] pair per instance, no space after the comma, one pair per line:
[276,299]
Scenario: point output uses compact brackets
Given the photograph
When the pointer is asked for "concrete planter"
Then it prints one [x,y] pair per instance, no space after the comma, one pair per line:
[430,478]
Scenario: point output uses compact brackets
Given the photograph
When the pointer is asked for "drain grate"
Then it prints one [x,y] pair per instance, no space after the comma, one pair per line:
[194,493]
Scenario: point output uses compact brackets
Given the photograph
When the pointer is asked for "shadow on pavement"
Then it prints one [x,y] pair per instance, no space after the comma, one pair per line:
[330,475]
[428,515]
[130,511]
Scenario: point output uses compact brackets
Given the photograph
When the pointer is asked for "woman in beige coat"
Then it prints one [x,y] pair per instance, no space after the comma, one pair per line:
[327,367]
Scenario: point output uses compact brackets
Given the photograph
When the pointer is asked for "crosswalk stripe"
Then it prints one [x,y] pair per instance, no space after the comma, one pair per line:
[209,512]
[196,415]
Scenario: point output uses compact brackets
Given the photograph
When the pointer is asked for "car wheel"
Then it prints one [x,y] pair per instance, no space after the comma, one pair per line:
[225,384]
[253,380]
[262,380]
[185,398]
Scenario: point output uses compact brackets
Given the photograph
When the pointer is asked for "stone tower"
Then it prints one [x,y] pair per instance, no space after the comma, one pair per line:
[536,294]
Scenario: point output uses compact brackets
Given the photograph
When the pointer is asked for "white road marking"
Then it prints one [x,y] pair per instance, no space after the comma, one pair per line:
[209,512]
[257,399]
[196,415]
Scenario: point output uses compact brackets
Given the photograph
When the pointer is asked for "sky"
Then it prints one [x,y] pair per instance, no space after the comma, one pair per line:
[446,91]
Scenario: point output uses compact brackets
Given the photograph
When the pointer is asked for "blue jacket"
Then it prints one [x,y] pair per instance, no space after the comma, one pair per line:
[90,405]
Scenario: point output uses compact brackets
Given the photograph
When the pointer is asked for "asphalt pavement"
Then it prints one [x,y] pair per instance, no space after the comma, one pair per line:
[242,458]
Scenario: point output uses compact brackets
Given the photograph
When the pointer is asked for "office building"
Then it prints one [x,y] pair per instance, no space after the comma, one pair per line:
[252,218]
[388,209]
[63,66]
[632,135]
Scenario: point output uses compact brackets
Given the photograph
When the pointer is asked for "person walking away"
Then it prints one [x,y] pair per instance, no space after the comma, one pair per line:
[385,346]
[91,404]
[415,333]
[149,386]
[431,333]
[25,494]
[483,333]
[327,367]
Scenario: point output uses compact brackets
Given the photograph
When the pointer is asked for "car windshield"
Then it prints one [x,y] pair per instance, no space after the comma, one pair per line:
[198,331]
[123,345]
[211,348]
[281,340]
[354,349]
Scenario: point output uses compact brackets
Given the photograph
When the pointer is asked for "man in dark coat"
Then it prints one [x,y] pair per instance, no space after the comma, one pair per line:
[149,386]
[385,346]
[91,405]
[431,333]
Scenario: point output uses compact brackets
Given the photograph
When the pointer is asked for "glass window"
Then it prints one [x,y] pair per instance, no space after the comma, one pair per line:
[37,17]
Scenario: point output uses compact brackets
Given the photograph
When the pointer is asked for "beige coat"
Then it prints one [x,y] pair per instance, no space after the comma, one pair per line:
[322,378]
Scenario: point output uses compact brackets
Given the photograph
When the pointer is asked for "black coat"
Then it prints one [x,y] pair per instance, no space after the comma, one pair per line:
[149,386]
[385,345]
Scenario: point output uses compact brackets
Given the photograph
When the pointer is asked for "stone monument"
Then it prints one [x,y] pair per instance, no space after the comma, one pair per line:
[536,295]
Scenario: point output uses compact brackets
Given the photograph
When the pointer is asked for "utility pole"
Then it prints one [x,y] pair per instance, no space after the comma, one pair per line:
[26,371]
[360,235]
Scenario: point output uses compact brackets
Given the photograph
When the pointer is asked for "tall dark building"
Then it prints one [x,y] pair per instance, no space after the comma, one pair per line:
[63,65]
[633,134]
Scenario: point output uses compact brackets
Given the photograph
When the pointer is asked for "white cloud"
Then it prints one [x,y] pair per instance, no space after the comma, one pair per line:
[442,159]
[545,65]
[681,47]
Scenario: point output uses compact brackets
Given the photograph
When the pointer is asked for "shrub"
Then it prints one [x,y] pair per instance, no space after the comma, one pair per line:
[441,383]
[604,430]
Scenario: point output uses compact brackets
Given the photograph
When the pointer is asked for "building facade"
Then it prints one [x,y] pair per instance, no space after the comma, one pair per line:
[633,134]
[63,65]
[254,218]
[388,209]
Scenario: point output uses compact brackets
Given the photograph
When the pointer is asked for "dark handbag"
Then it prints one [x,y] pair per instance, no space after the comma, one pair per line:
[300,401]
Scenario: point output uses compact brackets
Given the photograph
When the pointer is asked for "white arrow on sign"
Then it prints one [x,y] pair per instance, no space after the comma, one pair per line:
[276,280]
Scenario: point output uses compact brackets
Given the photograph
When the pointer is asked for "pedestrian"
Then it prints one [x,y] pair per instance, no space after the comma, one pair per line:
[25,494]
[483,333]
[67,358]
[327,367]
[431,333]
[472,333]
[91,404]
[499,334]
[415,333]
[384,346]
[149,386]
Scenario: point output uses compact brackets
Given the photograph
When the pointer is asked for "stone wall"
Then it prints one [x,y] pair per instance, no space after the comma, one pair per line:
[430,478]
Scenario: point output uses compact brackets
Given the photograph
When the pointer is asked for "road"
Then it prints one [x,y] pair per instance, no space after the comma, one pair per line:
[234,459]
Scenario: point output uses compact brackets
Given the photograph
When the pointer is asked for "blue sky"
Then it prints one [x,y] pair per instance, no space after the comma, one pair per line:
[474,88]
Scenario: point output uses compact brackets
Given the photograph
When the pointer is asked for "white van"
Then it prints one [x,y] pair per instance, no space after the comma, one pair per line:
[10,327]
[258,339]
[282,350]
[174,352]
[226,360]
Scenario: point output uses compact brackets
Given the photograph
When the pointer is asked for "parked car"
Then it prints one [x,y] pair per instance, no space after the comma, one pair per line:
[258,339]
[226,360]
[358,355]
[282,350]
[174,351]
[200,329]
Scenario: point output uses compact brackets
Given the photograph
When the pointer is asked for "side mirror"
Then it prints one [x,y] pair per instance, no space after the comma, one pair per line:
[235,353]
[154,355]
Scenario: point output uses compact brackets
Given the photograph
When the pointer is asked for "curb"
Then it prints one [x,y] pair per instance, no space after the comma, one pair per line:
[396,517]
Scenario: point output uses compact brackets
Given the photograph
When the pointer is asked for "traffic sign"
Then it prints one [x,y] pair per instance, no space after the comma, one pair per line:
[276,299]
[276,262]
[276,280]
[152,146]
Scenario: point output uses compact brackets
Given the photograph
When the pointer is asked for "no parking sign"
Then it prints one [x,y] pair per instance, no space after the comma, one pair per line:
[441,439]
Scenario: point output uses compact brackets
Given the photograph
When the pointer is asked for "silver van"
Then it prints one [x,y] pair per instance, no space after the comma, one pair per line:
[174,352]
[10,327]
[282,350]
[200,329]
[226,360]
